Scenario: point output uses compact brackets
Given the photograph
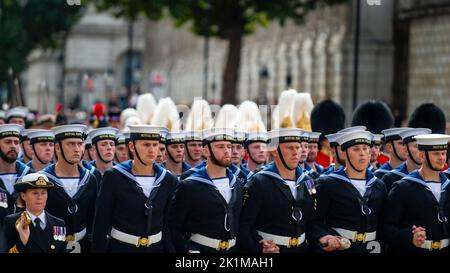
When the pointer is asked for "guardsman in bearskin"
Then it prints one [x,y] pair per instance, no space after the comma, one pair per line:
[350,200]
[42,143]
[278,210]
[73,197]
[206,206]
[327,117]
[104,146]
[416,215]
[10,168]
[34,230]
[133,203]
[397,152]
[428,116]
[412,162]
[121,153]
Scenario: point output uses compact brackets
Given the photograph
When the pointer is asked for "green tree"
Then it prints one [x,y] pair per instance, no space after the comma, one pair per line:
[26,25]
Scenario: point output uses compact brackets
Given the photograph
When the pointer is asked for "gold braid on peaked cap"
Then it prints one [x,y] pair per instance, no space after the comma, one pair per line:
[166,115]
[281,115]
[301,111]
[227,117]
[145,107]
[250,119]
[200,116]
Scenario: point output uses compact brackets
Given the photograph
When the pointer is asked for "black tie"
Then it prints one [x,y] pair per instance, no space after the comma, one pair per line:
[37,223]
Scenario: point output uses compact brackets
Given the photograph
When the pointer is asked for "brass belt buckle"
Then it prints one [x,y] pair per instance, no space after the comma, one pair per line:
[143,241]
[360,237]
[293,242]
[223,245]
[435,245]
[70,238]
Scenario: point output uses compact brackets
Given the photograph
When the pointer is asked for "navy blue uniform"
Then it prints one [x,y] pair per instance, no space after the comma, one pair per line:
[123,206]
[22,170]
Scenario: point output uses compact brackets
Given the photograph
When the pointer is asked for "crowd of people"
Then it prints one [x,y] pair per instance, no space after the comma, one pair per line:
[147,180]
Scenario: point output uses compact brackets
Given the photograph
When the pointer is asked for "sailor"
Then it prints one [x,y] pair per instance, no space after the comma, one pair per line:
[17,115]
[350,200]
[313,142]
[27,150]
[34,230]
[375,152]
[103,145]
[193,148]
[256,147]
[161,157]
[10,168]
[88,157]
[42,143]
[73,197]
[175,148]
[417,210]
[397,153]
[412,162]
[206,206]
[121,153]
[278,210]
[237,155]
[133,203]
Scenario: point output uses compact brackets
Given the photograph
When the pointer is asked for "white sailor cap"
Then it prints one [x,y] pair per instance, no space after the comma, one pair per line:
[349,139]
[163,132]
[193,136]
[332,139]
[24,134]
[120,138]
[377,139]
[175,138]
[88,142]
[126,134]
[285,135]
[10,130]
[145,132]
[393,134]
[258,136]
[70,131]
[353,129]
[40,135]
[239,137]
[2,115]
[304,136]
[314,137]
[408,135]
[217,134]
[102,134]
[432,142]
[17,112]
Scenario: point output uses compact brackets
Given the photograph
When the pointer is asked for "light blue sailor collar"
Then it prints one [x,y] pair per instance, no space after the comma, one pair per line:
[22,169]
[308,169]
[88,166]
[234,169]
[401,170]
[202,176]
[385,168]
[272,171]
[199,166]
[417,178]
[246,171]
[50,173]
[342,175]
[126,169]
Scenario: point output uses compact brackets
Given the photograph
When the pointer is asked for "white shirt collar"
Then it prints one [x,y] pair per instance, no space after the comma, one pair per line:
[40,216]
